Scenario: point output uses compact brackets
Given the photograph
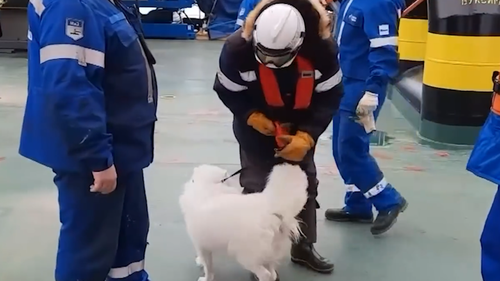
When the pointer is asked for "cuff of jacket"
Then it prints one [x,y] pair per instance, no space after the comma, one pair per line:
[99,164]
[311,132]
[373,88]
[376,83]
[247,114]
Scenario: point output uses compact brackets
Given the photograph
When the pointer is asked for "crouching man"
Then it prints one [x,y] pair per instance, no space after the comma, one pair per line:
[281,68]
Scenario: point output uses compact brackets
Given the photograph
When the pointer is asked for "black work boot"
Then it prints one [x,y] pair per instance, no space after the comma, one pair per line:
[341,215]
[386,219]
[305,255]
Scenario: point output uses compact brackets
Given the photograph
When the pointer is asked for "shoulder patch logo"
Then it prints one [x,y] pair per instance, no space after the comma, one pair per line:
[74,29]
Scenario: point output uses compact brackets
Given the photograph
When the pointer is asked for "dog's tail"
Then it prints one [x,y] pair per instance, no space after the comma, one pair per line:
[286,191]
[286,178]
[291,226]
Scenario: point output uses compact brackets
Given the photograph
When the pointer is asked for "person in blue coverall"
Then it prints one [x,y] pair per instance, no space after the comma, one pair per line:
[246,7]
[484,162]
[90,117]
[366,32]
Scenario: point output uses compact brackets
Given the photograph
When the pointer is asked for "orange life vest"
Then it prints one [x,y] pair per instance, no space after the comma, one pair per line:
[304,88]
[495,102]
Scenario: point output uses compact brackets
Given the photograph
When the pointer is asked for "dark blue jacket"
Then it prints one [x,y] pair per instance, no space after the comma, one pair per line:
[238,86]
[92,93]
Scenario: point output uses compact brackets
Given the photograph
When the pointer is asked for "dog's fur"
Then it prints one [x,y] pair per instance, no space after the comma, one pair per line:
[256,229]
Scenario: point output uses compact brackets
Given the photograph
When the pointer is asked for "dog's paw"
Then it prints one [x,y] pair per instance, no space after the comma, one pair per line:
[205,279]
[199,262]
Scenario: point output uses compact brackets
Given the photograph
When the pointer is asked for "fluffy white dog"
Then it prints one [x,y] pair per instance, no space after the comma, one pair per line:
[256,229]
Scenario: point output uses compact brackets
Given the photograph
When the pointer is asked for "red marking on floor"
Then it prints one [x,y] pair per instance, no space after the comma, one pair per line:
[413,168]
[381,155]
[2,158]
[410,148]
[442,154]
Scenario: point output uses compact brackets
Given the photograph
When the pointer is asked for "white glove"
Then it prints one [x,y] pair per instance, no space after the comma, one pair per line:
[368,104]
[368,122]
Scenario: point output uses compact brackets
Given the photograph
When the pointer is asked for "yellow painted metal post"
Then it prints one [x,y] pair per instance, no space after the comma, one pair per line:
[462,52]
[412,37]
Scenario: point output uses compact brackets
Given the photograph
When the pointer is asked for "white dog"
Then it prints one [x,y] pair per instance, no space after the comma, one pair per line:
[256,229]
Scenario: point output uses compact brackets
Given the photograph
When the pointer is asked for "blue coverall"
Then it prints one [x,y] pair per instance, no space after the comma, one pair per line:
[92,100]
[366,32]
[484,162]
[245,8]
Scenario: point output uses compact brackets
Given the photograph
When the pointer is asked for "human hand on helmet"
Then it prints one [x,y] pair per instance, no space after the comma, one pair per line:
[325,2]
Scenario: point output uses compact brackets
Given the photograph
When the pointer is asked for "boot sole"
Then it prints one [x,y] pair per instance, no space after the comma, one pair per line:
[309,266]
[382,231]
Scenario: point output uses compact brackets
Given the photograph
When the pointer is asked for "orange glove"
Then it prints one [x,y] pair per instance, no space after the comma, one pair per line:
[296,146]
[260,123]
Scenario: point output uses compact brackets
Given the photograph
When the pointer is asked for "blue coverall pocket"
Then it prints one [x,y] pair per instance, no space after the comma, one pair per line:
[123,30]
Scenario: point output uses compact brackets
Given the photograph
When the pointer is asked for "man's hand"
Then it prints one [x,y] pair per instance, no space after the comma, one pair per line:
[325,2]
[296,146]
[367,121]
[262,124]
[104,181]
[367,105]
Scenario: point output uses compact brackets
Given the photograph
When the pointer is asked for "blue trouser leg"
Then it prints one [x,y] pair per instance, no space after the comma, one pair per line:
[355,201]
[129,260]
[490,243]
[355,158]
[91,238]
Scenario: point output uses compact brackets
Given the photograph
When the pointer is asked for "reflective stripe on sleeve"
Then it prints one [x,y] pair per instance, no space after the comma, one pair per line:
[248,76]
[330,83]
[83,55]
[384,41]
[228,84]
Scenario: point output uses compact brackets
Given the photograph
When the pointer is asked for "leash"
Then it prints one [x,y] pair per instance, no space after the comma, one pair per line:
[232,175]
[281,129]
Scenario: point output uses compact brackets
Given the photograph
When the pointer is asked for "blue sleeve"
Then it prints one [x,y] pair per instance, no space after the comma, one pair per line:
[72,47]
[230,86]
[245,8]
[381,27]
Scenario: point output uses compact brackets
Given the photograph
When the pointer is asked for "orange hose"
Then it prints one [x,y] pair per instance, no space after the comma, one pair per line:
[412,7]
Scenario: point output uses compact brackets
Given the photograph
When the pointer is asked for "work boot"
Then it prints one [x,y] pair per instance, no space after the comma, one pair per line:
[341,215]
[305,255]
[386,219]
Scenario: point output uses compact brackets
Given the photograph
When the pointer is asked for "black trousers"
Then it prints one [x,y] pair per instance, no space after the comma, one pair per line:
[253,177]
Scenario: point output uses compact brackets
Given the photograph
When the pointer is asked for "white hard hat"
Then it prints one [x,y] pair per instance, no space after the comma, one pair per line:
[278,34]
